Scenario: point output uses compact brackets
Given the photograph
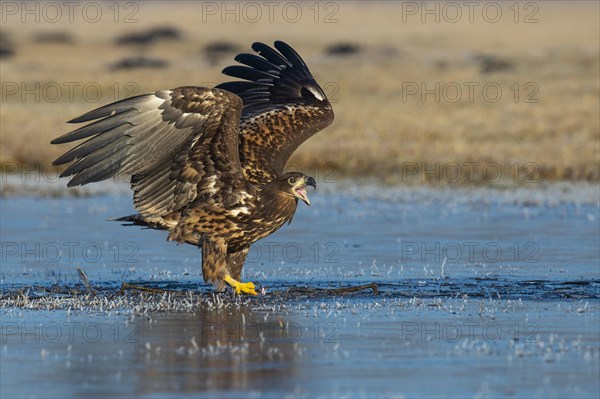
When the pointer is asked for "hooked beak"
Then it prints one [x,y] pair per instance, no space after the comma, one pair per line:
[300,188]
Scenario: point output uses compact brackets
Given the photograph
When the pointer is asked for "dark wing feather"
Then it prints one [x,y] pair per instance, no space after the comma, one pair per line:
[177,144]
[270,54]
[249,73]
[256,62]
[283,106]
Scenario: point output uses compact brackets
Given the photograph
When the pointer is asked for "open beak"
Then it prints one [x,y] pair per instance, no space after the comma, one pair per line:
[300,189]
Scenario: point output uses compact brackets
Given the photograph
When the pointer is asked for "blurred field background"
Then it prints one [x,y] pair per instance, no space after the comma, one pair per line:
[369,57]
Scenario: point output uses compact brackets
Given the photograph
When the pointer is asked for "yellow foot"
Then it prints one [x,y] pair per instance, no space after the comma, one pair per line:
[238,287]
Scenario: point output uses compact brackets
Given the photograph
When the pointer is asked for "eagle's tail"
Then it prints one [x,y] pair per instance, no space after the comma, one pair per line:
[157,223]
[177,232]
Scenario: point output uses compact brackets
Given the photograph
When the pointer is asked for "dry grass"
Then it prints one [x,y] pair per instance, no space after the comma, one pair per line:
[379,131]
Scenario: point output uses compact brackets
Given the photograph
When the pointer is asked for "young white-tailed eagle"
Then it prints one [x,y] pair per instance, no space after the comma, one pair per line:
[207,164]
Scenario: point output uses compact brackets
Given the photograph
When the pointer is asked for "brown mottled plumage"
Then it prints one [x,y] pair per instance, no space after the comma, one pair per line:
[207,164]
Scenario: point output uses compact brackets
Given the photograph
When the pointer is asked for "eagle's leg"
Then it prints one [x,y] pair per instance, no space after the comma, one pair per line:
[238,287]
[235,262]
[216,264]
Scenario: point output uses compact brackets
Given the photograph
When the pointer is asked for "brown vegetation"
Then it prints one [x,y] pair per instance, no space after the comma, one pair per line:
[545,125]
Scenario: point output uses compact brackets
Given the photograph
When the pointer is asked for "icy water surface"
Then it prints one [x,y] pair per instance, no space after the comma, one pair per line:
[483,293]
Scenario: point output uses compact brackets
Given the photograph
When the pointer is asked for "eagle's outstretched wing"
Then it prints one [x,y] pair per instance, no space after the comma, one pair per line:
[176,144]
[283,106]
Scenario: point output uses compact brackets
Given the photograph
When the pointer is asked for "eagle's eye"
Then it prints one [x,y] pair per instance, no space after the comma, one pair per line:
[292,180]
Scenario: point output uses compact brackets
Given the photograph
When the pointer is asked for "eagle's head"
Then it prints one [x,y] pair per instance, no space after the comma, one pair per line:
[294,184]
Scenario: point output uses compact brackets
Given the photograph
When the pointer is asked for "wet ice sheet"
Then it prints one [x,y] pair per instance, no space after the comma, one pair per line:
[518,322]
[352,347]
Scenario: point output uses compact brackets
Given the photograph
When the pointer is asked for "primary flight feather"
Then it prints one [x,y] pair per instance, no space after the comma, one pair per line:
[207,164]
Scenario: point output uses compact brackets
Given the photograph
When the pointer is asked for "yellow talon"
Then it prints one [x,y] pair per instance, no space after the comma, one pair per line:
[238,287]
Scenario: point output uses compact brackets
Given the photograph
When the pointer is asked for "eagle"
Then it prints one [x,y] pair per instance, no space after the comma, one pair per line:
[207,164]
